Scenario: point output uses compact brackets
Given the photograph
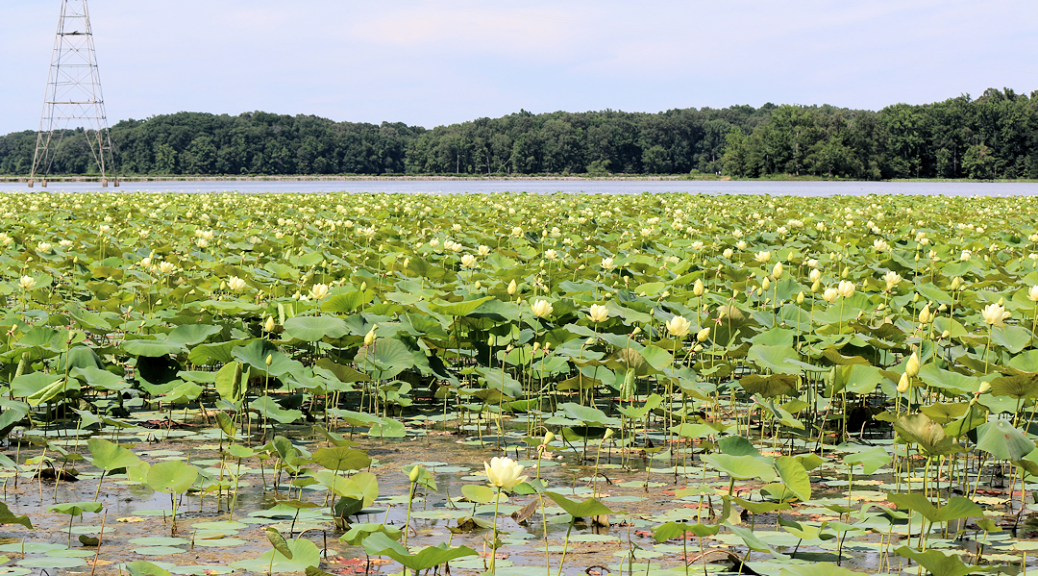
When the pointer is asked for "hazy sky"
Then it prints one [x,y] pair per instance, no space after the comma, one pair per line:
[439,62]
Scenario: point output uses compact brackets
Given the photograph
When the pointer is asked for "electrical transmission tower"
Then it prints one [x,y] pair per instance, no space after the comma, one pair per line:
[73,105]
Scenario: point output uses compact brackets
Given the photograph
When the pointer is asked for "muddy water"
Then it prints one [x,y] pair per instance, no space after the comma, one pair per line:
[137,523]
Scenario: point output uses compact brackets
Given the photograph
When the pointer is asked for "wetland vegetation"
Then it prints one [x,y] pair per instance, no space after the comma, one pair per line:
[514,383]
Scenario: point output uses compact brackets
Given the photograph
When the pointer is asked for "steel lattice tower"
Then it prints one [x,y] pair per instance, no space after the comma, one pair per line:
[73,99]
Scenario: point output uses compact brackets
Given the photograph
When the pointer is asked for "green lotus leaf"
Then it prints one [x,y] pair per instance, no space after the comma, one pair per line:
[172,476]
[8,517]
[315,328]
[741,467]
[109,456]
[585,509]
[379,544]
[1004,442]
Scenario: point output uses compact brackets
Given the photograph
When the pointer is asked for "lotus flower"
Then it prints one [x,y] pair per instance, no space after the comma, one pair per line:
[598,313]
[504,473]
[994,314]
[236,284]
[678,326]
[319,291]
[892,279]
[542,309]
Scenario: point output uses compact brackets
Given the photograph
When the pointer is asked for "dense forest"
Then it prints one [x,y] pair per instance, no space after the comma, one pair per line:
[993,136]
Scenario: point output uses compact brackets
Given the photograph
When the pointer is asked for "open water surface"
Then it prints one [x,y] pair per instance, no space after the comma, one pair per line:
[553,186]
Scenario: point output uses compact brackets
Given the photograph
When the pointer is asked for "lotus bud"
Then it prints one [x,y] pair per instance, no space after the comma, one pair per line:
[924,315]
[608,434]
[512,287]
[946,334]
[269,360]
[915,297]
[698,288]
[800,298]
[369,338]
[912,367]
[778,270]
[703,334]
[765,284]
[903,384]
[548,437]
[956,282]
[415,473]
[637,330]
[269,324]
[816,286]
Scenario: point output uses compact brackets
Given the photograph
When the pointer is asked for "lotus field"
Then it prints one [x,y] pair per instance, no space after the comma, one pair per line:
[517,384]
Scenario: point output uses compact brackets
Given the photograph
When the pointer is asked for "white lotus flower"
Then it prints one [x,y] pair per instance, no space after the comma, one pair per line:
[542,309]
[236,284]
[504,473]
[319,291]
[994,314]
[27,282]
[892,279]
[678,326]
[598,313]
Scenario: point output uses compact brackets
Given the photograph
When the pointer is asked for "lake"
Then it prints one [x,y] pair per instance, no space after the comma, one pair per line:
[553,186]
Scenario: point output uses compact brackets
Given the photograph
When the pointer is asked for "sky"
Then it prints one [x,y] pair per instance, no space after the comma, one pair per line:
[437,62]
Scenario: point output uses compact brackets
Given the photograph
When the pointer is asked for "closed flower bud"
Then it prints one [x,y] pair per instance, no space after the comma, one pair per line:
[698,288]
[924,315]
[703,334]
[830,295]
[512,287]
[903,384]
[912,366]
[765,284]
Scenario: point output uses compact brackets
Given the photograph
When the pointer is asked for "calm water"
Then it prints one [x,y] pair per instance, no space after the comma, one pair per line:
[553,186]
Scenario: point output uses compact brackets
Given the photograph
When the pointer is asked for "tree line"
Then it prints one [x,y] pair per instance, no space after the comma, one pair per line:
[993,136]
